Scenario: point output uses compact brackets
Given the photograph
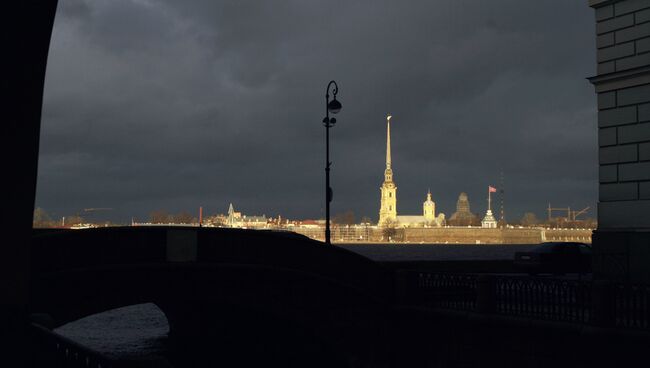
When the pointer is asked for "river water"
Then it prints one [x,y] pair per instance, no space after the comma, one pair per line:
[437,252]
[139,331]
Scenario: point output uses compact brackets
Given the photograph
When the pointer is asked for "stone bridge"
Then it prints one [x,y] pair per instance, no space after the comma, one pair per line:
[249,291]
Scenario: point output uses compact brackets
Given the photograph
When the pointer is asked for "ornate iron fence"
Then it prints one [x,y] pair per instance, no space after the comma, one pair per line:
[446,290]
[600,303]
[549,299]
[631,306]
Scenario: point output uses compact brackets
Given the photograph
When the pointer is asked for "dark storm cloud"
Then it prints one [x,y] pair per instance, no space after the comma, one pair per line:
[168,104]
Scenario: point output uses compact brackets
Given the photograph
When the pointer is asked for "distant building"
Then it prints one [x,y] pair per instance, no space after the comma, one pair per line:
[429,209]
[388,202]
[216,220]
[236,219]
[315,224]
[463,216]
[489,222]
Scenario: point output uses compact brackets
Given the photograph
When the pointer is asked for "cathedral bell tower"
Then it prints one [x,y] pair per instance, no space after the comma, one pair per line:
[388,209]
[429,209]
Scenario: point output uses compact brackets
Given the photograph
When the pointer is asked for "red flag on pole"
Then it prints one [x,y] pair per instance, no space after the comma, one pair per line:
[491,189]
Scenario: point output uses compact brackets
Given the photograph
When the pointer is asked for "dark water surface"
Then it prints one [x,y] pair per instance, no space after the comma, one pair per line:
[437,252]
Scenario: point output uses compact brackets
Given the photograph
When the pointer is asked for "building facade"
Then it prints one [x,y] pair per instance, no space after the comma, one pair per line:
[622,241]
[236,219]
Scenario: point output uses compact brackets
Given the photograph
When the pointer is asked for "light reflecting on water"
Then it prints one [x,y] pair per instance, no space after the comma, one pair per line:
[133,331]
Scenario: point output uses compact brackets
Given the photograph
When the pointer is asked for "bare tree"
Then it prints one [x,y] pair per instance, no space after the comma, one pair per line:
[345,218]
[159,217]
[529,219]
[184,217]
[41,218]
[389,229]
[74,220]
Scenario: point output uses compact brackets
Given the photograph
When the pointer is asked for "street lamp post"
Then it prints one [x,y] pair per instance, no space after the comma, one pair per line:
[334,107]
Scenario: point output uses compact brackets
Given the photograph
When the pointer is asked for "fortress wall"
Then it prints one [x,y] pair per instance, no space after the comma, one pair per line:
[474,235]
[452,235]
[522,236]
[578,235]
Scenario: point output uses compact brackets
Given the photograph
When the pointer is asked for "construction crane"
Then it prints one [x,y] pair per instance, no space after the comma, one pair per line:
[575,214]
[97,209]
[92,210]
[570,215]
[551,209]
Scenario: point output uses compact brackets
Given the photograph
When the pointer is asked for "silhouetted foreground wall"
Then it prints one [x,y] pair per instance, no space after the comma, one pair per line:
[26,30]
[622,241]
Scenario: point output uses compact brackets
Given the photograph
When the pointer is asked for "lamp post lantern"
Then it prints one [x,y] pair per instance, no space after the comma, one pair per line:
[334,107]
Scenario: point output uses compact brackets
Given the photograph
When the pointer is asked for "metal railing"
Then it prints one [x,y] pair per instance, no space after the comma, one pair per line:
[600,303]
[631,307]
[548,299]
[446,290]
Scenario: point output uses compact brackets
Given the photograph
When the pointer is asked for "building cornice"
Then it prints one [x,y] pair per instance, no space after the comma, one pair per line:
[622,79]
[599,3]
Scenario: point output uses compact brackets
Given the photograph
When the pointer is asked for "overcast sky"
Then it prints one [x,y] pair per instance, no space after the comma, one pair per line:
[178,104]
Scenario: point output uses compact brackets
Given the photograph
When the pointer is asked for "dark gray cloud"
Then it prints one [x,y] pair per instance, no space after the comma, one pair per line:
[167,104]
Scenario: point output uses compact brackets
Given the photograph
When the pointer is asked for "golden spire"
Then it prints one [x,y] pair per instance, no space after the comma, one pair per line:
[388,142]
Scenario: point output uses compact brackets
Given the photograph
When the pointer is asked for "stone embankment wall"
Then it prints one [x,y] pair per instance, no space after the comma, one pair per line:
[567,235]
[451,235]
[463,235]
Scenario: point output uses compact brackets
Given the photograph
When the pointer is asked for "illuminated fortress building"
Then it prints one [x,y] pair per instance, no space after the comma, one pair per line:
[388,208]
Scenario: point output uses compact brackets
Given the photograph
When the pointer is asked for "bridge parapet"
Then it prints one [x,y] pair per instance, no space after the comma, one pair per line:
[100,247]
